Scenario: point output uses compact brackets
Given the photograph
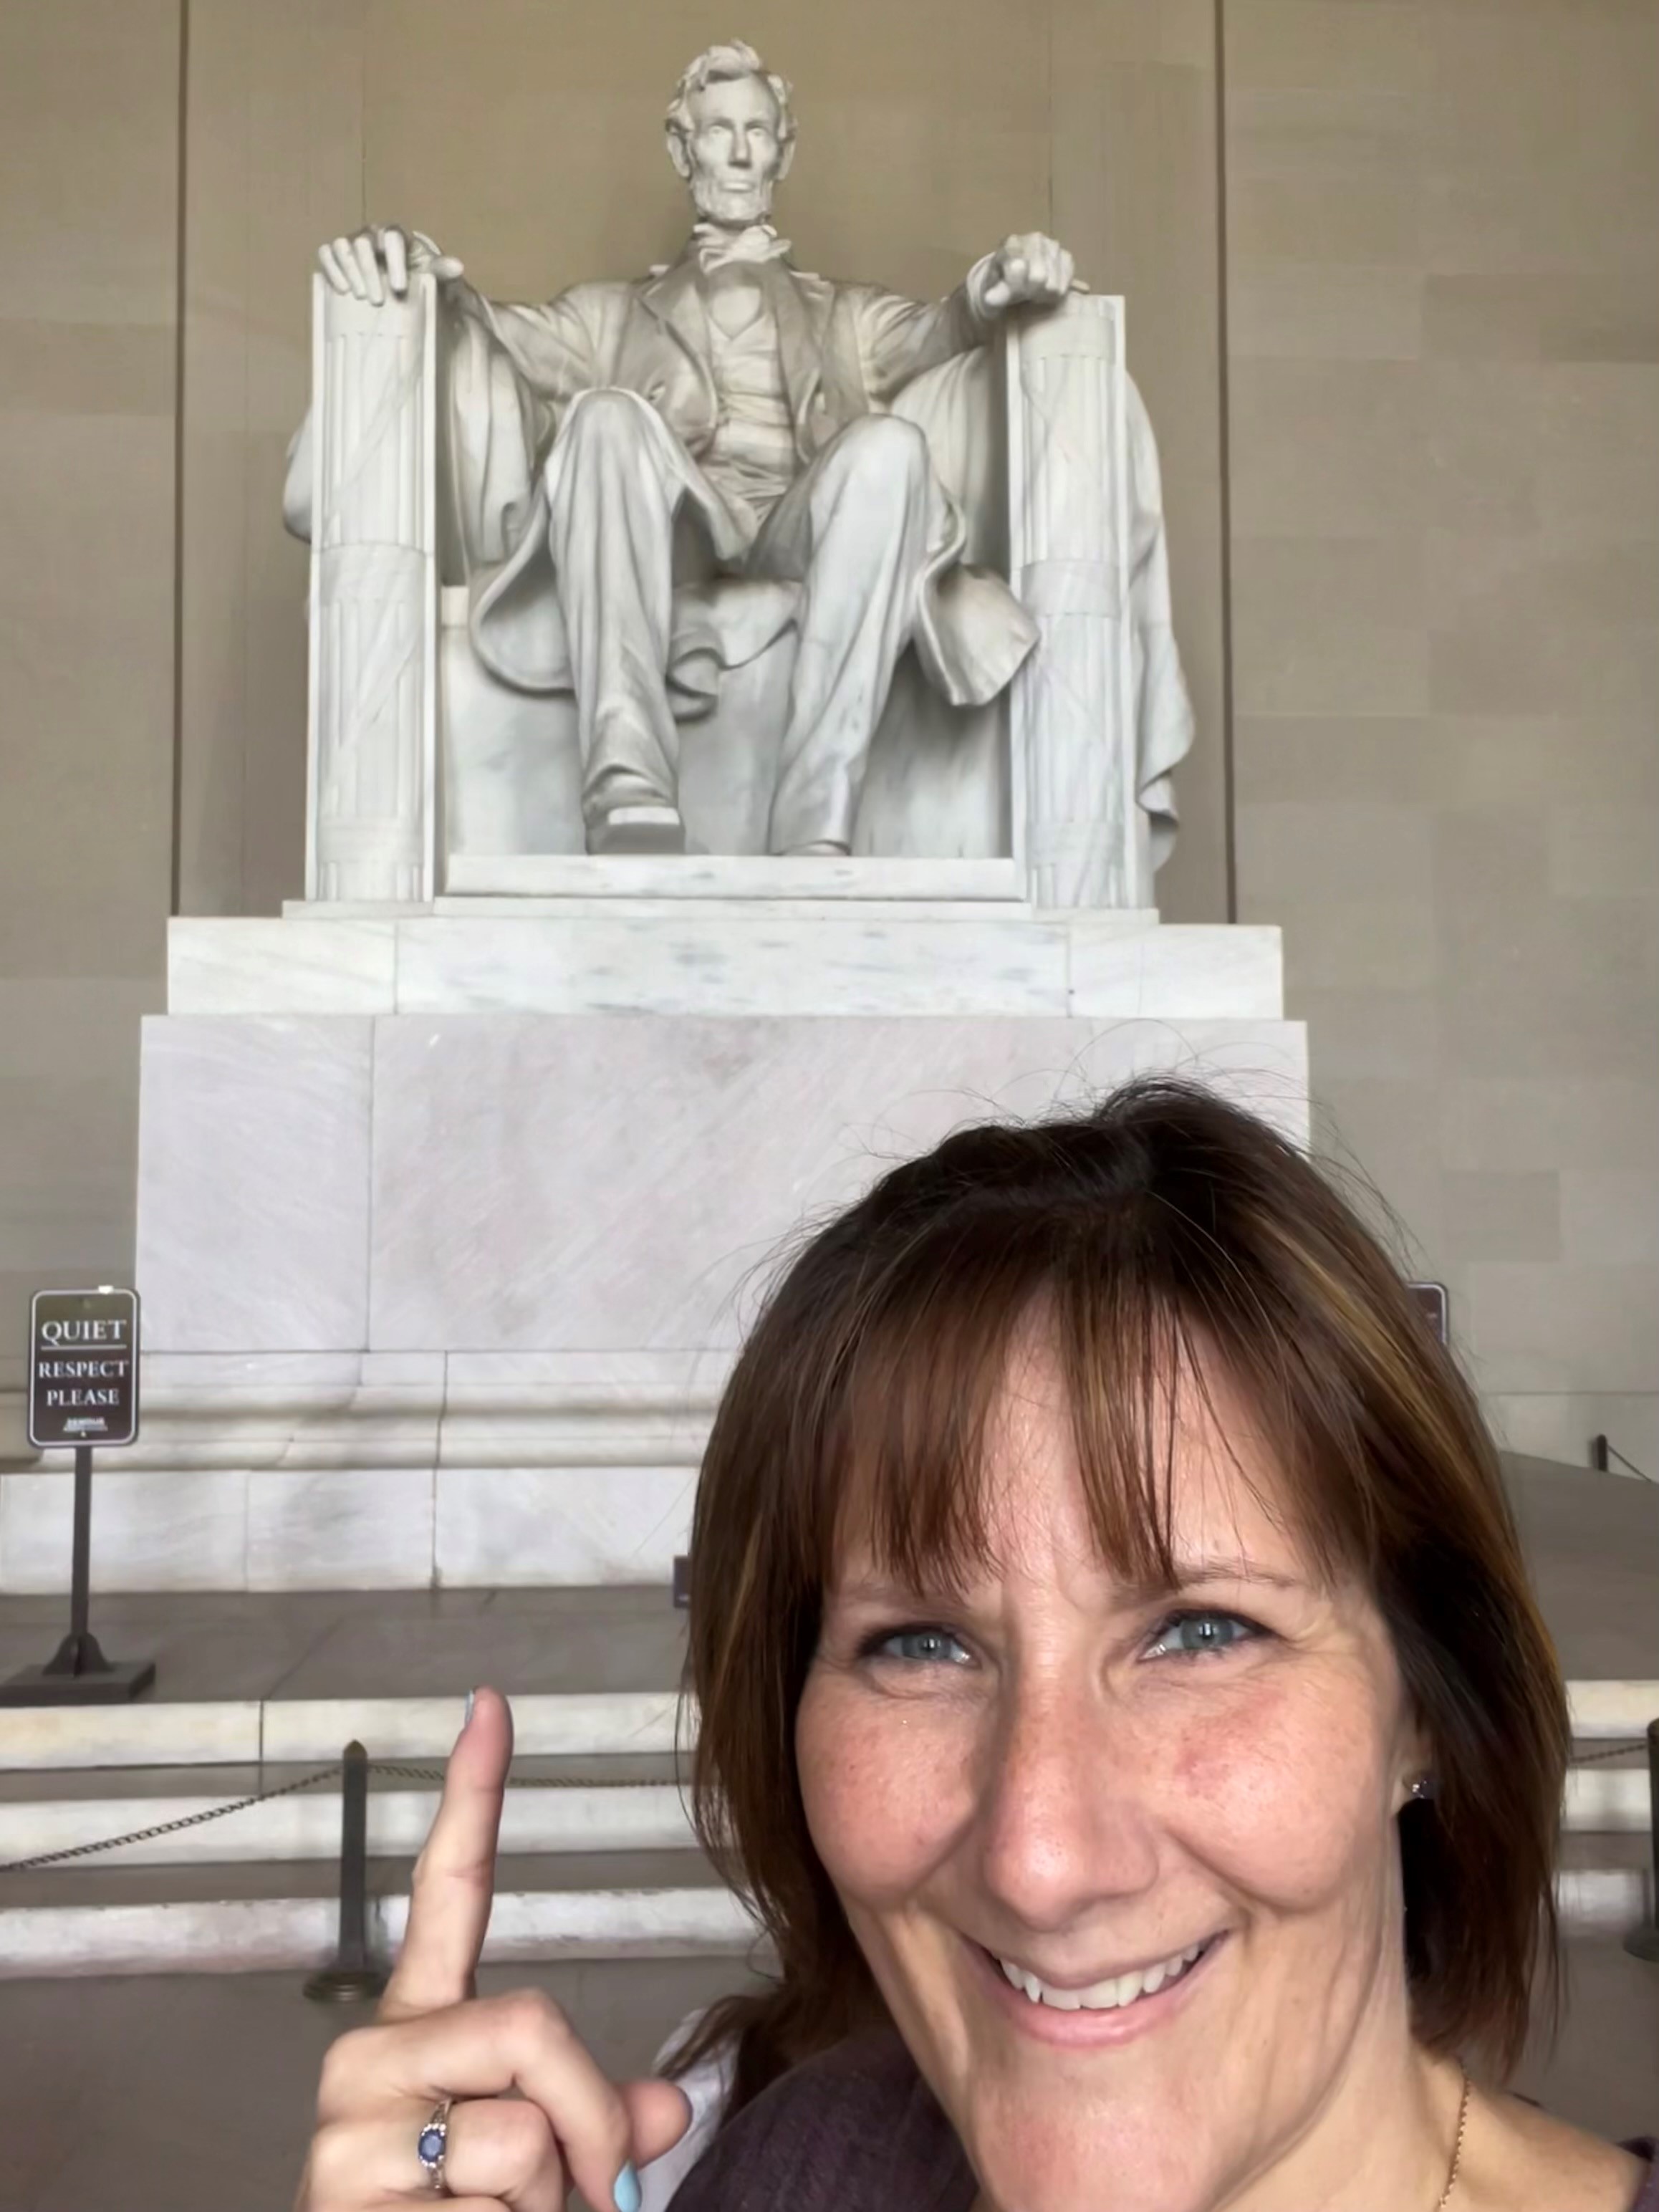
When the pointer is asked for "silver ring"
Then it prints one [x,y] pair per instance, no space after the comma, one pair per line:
[432,2143]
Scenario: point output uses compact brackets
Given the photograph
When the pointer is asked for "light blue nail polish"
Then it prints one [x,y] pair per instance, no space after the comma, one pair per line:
[466,1718]
[626,2194]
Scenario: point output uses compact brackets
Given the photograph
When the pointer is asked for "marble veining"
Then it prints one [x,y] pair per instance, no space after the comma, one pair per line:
[304,964]
[750,965]
[508,1525]
[558,1220]
[253,1183]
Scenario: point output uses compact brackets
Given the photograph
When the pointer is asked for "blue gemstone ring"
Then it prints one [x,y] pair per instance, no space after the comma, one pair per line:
[432,2143]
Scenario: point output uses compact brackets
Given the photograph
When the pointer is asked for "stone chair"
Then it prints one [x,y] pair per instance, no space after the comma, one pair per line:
[428,774]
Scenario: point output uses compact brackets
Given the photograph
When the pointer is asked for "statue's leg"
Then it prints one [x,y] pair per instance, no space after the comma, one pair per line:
[853,529]
[613,487]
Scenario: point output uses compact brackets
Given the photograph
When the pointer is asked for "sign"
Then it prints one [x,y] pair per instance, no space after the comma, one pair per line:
[1430,1299]
[83,1368]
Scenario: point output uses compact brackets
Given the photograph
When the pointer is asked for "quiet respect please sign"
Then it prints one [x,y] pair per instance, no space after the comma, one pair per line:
[83,1368]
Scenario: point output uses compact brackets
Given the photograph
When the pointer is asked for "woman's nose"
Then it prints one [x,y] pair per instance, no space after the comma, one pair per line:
[1064,1820]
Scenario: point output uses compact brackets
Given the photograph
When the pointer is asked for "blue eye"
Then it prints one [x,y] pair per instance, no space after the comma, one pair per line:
[917,1647]
[1189,1635]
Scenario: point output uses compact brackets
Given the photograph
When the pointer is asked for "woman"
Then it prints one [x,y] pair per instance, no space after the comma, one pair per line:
[1121,1697]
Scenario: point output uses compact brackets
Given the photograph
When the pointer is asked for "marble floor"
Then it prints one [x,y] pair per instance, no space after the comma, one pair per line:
[1592,1542]
[194,2095]
[371,1643]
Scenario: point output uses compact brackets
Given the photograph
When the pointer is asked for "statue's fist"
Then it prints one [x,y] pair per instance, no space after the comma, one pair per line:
[378,262]
[1028,269]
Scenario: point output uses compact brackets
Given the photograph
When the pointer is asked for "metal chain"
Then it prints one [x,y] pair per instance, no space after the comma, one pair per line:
[172,1827]
[514,1781]
[288,1790]
[1613,1751]
[435,1774]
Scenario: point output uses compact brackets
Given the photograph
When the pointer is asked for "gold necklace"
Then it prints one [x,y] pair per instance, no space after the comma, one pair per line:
[1457,2146]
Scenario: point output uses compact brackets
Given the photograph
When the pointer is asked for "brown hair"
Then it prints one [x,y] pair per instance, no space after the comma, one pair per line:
[1164,1220]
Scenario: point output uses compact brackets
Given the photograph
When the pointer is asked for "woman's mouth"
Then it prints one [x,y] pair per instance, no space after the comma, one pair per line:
[1107,2010]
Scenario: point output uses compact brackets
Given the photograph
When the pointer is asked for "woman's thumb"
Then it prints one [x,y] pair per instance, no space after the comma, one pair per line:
[660,2112]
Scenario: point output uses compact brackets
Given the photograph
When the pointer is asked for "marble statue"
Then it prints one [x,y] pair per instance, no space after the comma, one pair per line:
[655,480]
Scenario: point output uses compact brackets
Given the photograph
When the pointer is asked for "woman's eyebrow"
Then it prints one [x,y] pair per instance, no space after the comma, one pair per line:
[1220,1567]
[1191,1571]
[879,1589]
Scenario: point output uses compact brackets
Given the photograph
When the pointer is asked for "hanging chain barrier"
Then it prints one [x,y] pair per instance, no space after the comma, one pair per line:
[400,1771]
[1611,1751]
[395,1769]
[172,1827]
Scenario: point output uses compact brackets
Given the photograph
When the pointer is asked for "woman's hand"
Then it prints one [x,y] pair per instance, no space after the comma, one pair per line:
[533,2117]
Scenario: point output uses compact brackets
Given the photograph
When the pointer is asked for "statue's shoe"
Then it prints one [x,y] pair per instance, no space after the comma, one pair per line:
[827,849]
[637,829]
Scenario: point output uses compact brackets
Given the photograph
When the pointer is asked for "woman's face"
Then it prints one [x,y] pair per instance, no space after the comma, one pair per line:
[1177,1808]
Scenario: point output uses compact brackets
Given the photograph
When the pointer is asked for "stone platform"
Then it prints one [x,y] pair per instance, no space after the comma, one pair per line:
[451,1216]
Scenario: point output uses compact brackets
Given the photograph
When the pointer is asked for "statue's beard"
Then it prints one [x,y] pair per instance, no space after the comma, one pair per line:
[732,201]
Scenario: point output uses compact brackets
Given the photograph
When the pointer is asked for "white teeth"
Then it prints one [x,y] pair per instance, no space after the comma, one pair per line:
[1108,1995]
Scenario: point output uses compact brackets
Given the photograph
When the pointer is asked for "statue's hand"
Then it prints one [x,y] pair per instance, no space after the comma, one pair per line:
[1029,269]
[378,262]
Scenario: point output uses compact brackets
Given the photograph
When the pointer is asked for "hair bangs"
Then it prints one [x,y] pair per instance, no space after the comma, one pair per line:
[1143,1318]
[909,1427]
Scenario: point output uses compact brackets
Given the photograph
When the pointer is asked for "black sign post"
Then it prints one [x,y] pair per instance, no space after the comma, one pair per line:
[83,1390]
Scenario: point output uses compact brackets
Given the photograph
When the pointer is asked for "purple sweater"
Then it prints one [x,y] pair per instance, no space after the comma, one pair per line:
[857,2129]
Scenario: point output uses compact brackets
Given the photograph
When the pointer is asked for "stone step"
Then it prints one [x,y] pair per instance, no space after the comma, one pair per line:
[548,1810]
[94,1882]
[249,1919]
[553,1806]
[1583,1848]
[252,1731]
[257,1918]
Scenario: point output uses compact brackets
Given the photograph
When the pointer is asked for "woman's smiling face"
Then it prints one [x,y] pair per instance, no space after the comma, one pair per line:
[1188,1794]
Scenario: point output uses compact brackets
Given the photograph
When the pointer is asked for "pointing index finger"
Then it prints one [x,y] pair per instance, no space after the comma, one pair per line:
[454,1881]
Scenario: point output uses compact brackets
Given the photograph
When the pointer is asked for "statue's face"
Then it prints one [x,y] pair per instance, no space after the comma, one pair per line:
[733,149]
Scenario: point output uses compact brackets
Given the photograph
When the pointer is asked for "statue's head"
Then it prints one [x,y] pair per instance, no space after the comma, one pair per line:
[731,134]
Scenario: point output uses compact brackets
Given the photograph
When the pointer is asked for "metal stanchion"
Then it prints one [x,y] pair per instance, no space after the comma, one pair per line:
[351,1978]
[1643,1943]
[79,1673]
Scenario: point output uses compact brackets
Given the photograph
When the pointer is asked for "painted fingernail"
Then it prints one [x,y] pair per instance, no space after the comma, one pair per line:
[626,2194]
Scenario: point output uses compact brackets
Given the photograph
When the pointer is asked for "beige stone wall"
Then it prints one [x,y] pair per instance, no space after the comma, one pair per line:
[88,174]
[275,162]
[1442,401]
[1443,296]
[527,139]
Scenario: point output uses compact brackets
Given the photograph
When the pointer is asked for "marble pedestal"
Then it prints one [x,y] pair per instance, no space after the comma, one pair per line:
[450,1218]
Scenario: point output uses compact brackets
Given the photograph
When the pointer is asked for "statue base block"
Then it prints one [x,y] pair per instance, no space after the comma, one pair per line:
[450,1221]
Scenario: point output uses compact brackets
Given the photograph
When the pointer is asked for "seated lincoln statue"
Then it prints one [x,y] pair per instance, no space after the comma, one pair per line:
[656,479]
